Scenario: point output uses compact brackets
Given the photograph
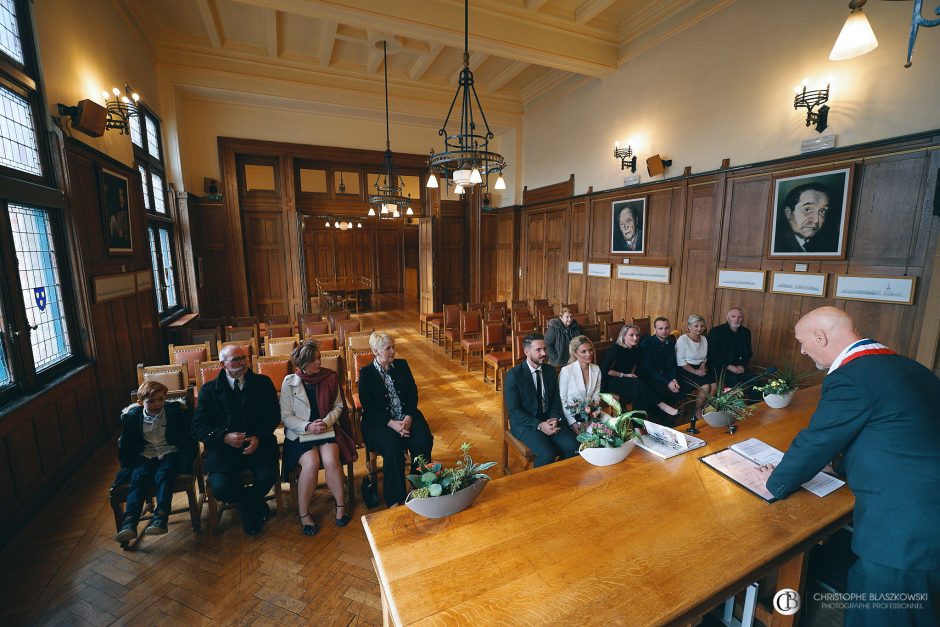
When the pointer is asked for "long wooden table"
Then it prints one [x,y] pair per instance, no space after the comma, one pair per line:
[647,541]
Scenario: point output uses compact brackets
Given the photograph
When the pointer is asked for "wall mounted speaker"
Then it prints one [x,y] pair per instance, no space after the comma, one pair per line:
[87,117]
[210,186]
[656,165]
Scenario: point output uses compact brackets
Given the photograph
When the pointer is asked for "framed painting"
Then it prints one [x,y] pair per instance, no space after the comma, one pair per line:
[810,214]
[116,213]
[627,232]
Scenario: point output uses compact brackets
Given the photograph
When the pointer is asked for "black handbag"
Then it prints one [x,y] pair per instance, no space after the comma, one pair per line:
[370,492]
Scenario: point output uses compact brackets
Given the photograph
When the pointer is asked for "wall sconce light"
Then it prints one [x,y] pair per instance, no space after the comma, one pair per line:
[656,165]
[857,37]
[809,100]
[625,154]
[121,108]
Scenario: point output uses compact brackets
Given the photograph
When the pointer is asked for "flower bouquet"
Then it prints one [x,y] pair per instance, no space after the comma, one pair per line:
[582,409]
[609,439]
[440,491]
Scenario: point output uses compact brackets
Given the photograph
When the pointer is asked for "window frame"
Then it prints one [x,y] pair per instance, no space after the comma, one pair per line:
[37,192]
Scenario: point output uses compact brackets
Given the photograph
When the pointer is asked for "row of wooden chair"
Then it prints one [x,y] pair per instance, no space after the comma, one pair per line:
[308,324]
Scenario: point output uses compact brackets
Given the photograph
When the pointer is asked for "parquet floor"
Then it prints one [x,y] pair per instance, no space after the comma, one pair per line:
[66,569]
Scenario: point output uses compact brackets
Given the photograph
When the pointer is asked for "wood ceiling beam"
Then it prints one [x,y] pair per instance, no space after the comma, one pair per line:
[476,60]
[591,9]
[210,20]
[375,58]
[327,41]
[512,71]
[270,33]
[424,62]
[518,35]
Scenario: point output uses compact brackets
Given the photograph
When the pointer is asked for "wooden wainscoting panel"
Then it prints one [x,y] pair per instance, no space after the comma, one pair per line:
[534,268]
[598,297]
[697,279]
[506,253]
[665,222]
[489,246]
[746,203]
[577,242]
[452,260]
[598,246]
[389,254]
[556,287]
[266,262]
[427,299]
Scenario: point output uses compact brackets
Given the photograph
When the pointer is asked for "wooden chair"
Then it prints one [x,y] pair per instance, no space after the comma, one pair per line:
[217,507]
[519,304]
[174,376]
[337,315]
[184,482]
[205,372]
[315,327]
[644,325]
[610,330]
[600,350]
[498,359]
[425,318]
[471,336]
[474,307]
[449,318]
[543,314]
[325,342]
[334,361]
[572,307]
[592,331]
[250,346]
[495,315]
[245,321]
[539,302]
[280,346]
[303,318]
[357,341]
[580,318]
[359,361]
[279,330]
[509,440]
[346,326]
[189,354]
[211,335]
[276,319]
[600,317]
[238,334]
[452,333]
[275,368]
[212,323]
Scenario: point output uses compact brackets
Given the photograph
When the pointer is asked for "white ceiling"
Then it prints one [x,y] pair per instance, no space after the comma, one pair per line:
[520,49]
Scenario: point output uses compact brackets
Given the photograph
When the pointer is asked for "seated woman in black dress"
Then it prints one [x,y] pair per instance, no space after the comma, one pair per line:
[691,354]
[391,420]
[311,403]
[620,372]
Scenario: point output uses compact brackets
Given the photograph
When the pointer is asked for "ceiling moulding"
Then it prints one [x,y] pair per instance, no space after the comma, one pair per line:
[517,35]
[661,21]
[325,79]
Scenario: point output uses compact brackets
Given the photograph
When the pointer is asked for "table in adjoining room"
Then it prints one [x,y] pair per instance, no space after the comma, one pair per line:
[647,541]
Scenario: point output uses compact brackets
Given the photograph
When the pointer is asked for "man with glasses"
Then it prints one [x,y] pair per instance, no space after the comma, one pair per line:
[235,418]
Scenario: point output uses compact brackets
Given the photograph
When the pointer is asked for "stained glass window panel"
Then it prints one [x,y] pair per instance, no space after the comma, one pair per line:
[153,140]
[18,146]
[159,200]
[155,263]
[10,33]
[39,280]
[136,136]
[169,271]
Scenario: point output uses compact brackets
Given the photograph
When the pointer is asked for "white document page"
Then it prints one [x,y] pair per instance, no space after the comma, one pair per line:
[762,454]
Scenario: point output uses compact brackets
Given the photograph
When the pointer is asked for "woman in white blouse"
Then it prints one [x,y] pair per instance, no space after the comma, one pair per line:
[580,380]
[691,354]
[311,403]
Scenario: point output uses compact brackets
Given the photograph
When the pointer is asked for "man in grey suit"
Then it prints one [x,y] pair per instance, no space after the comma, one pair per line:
[878,412]
[534,405]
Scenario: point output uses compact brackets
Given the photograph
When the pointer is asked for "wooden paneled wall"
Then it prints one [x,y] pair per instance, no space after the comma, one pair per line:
[698,224]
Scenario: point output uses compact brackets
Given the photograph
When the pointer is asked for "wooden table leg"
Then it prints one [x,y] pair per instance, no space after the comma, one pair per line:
[791,575]
[386,614]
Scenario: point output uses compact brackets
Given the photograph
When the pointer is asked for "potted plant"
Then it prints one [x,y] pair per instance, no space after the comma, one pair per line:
[440,492]
[606,439]
[727,406]
[780,386]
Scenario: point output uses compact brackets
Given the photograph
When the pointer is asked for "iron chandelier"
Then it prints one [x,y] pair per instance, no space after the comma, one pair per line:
[387,200]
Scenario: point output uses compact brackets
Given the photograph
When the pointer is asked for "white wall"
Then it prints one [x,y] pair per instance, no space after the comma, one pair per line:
[724,88]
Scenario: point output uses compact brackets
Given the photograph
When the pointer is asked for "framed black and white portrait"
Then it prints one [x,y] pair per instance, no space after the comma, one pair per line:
[809,215]
[627,220]
[116,213]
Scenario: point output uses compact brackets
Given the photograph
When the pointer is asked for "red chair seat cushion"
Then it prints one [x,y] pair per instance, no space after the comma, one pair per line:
[499,358]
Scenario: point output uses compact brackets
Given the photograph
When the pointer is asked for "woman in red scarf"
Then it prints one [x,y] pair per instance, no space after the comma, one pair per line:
[310,406]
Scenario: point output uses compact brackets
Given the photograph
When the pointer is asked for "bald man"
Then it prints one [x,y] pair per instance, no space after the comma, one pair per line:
[878,410]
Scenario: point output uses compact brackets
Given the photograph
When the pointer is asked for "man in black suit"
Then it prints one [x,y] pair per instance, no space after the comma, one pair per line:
[878,411]
[800,226]
[729,348]
[534,405]
[235,418]
[658,368]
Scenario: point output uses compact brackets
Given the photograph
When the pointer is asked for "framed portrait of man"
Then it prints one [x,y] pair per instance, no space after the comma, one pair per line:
[116,213]
[810,214]
[627,232]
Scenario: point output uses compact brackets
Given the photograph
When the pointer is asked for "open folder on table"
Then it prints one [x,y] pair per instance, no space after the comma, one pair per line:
[740,462]
[666,442]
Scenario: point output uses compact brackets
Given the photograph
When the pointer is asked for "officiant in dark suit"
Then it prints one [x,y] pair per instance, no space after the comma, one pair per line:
[877,414]
[534,405]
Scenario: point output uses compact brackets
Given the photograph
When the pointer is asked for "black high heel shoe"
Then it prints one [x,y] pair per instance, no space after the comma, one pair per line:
[344,520]
[309,530]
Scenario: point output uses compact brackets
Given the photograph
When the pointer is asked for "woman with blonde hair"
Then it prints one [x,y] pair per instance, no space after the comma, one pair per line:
[579,381]
[311,403]
[621,376]
[691,355]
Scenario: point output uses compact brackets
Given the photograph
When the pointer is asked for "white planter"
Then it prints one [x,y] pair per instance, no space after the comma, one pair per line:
[608,456]
[778,401]
[718,418]
[447,504]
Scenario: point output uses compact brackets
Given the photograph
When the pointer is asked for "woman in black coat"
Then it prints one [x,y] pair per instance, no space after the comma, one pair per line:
[391,420]
[620,375]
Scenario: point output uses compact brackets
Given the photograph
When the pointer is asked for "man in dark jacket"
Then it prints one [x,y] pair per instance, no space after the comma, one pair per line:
[154,446]
[878,411]
[729,348]
[559,332]
[235,418]
[658,365]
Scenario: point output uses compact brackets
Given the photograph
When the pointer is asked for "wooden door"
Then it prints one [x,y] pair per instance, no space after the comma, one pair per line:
[535,256]
[555,275]
[266,267]
[505,260]
[426,264]
[389,259]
